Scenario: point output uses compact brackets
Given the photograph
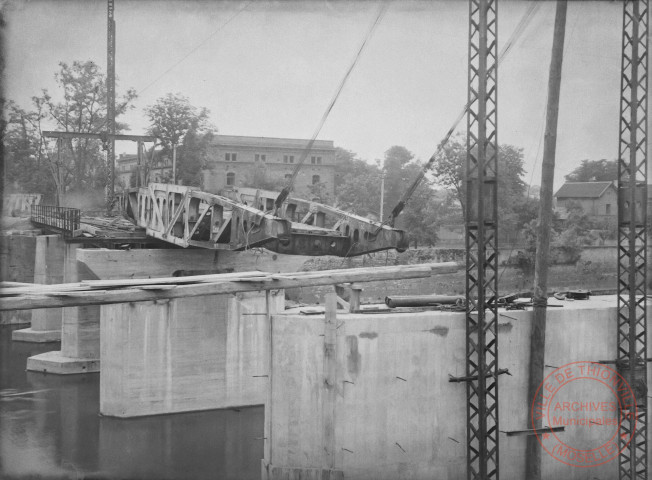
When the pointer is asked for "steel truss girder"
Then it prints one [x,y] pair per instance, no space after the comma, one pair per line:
[354,235]
[481,244]
[632,238]
[191,218]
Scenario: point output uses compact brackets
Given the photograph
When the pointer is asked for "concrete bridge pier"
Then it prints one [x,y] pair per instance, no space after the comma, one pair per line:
[48,269]
[185,354]
[17,265]
[80,329]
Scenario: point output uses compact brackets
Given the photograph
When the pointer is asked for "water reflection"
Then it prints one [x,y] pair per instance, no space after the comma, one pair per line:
[51,427]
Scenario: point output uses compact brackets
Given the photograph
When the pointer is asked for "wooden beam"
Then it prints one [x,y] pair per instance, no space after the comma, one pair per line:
[70,295]
[98,136]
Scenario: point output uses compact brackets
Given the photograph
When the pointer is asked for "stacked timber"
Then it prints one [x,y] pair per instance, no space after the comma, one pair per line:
[109,227]
[98,292]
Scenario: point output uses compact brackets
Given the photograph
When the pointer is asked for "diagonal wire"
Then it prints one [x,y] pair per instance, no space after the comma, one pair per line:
[197,47]
[286,190]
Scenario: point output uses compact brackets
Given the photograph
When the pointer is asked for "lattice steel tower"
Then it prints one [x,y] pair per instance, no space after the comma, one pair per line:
[632,238]
[481,244]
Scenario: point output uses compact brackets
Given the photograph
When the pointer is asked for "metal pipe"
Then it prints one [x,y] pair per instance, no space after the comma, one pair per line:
[423,300]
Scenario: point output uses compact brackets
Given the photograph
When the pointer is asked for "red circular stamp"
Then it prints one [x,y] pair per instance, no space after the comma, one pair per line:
[590,401]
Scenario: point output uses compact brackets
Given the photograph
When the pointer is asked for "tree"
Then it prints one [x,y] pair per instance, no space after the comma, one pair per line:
[83,110]
[449,172]
[172,118]
[77,164]
[594,171]
[357,184]
[449,168]
[26,165]
[193,156]
[400,171]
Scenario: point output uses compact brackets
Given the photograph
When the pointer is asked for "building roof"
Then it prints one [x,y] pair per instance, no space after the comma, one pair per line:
[240,141]
[583,189]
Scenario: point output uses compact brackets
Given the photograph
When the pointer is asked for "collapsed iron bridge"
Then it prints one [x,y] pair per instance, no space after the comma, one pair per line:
[244,218]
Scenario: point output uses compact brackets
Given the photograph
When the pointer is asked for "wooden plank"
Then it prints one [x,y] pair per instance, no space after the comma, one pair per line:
[131,294]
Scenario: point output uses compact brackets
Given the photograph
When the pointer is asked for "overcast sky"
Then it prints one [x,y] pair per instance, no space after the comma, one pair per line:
[271,68]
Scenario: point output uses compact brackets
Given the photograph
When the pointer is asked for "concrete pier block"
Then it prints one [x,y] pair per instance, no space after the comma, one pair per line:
[396,414]
[80,329]
[17,265]
[56,362]
[185,354]
[48,269]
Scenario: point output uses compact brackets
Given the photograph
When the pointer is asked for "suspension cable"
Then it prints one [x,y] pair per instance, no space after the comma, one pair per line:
[520,28]
[304,154]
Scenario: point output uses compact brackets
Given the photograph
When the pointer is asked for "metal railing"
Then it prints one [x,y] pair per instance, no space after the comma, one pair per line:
[63,219]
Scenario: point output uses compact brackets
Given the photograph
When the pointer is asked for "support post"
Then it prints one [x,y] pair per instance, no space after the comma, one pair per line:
[540,297]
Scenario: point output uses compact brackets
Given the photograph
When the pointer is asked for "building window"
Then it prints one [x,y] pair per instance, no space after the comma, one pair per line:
[260,158]
[230,157]
[315,160]
[315,179]
[288,158]
[608,209]
[230,178]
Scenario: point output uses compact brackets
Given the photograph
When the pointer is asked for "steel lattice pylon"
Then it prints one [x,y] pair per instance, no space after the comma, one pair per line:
[481,244]
[110,101]
[632,239]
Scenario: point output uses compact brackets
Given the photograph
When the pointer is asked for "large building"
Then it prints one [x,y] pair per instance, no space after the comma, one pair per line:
[262,162]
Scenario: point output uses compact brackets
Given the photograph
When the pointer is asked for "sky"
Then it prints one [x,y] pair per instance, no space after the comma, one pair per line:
[271,68]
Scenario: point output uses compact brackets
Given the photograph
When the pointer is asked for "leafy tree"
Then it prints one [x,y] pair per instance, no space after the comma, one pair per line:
[449,168]
[82,110]
[357,184]
[449,172]
[594,171]
[77,165]
[172,119]
[357,190]
[193,156]
[400,171]
[26,162]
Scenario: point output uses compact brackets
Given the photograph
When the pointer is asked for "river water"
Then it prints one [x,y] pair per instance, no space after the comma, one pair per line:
[50,427]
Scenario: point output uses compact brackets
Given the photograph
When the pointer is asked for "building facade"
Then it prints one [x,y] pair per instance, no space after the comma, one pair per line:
[267,163]
[126,167]
[597,199]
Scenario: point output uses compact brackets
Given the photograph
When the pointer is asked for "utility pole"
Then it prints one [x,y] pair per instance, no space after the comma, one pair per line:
[174,163]
[382,192]
[540,295]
